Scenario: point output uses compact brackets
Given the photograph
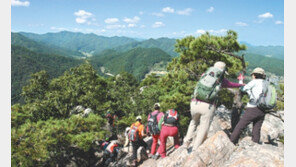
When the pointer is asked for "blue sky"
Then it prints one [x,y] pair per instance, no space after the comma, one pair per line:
[258,22]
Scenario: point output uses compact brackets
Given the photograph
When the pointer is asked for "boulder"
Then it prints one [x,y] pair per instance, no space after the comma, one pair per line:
[86,112]
[249,153]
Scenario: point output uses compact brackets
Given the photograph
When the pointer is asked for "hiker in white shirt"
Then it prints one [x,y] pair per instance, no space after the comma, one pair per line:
[252,113]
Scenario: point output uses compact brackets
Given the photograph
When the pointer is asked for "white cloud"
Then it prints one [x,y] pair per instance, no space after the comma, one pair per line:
[158,24]
[80,20]
[158,14]
[168,10]
[201,31]
[131,20]
[131,25]
[211,9]
[84,17]
[115,26]
[58,28]
[186,11]
[20,3]
[279,22]
[83,14]
[111,20]
[265,15]
[242,24]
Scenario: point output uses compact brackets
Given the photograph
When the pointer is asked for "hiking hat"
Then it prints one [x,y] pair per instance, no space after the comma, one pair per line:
[139,117]
[221,65]
[156,104]
[258,70]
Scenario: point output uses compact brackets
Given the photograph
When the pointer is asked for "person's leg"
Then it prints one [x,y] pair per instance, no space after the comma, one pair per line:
[175,132]
[135,148]
[246,119]
[163,137]
[234,118]
[257,124]
[207,112]
[193,123]
[154,144]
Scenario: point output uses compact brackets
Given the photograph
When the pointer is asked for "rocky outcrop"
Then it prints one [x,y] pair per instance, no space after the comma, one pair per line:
[252,154]
[81,111]
[218,150]
[271,130]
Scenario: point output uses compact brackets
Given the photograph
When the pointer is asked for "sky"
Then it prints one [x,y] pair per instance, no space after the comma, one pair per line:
[257,22]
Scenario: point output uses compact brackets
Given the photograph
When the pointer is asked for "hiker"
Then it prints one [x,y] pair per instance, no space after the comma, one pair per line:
[136,135]
[203,103]
[111,150]
[127,144]
[152,127]
[169,128]
[252,114]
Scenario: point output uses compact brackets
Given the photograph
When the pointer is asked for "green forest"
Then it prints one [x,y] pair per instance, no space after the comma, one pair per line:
[44,133]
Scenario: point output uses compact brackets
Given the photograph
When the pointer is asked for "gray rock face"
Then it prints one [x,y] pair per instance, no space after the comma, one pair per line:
[249,153]
[81,111]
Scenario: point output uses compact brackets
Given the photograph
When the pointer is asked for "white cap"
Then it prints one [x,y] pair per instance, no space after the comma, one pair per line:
[221,65]
[139,117]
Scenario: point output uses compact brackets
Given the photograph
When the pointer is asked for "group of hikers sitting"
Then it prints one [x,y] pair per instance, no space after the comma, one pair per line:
[202,107]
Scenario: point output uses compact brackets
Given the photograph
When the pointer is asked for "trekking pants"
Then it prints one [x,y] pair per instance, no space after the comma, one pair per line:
[202,114]
[136,145]
[154,144]
[165,132]
[254,115]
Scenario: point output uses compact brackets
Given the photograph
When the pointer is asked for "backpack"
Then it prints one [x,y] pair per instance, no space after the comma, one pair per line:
[153,125]
[267,99]
[209,84]
[171,117]
[133,134]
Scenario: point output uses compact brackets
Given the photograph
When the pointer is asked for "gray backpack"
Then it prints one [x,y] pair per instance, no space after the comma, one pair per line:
[209,84]
[267,99]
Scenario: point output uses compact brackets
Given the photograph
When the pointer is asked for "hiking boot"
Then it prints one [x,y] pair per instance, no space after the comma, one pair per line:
[150,155]
[156,156]
[134,163]
[187,144]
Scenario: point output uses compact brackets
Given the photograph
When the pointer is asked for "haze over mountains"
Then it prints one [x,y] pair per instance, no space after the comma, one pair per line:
[57,52]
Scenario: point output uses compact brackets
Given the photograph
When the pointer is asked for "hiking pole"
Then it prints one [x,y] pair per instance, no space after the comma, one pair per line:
[276,115]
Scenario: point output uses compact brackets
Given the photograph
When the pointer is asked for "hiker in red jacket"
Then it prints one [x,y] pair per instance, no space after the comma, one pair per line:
[152,127]
[169,128]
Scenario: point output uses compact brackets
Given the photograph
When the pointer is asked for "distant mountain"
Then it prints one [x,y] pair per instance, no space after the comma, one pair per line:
[19,40]
[137,61]
[76,41]
[268,51]
[24,62]
[166,44]
[272,65]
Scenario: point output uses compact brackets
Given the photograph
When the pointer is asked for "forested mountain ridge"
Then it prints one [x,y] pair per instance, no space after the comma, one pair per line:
[76,41]
[137,61]
[268,51]
[18,39]
[25,62]
[166,44]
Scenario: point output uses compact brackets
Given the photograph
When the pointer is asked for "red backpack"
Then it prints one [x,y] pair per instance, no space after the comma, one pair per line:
[171,117]
[133,134]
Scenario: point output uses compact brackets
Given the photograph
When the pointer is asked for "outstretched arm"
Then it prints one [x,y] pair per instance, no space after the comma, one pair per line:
[227,84]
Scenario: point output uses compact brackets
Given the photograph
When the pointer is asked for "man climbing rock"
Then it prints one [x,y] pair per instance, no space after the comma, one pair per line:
[203,103]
